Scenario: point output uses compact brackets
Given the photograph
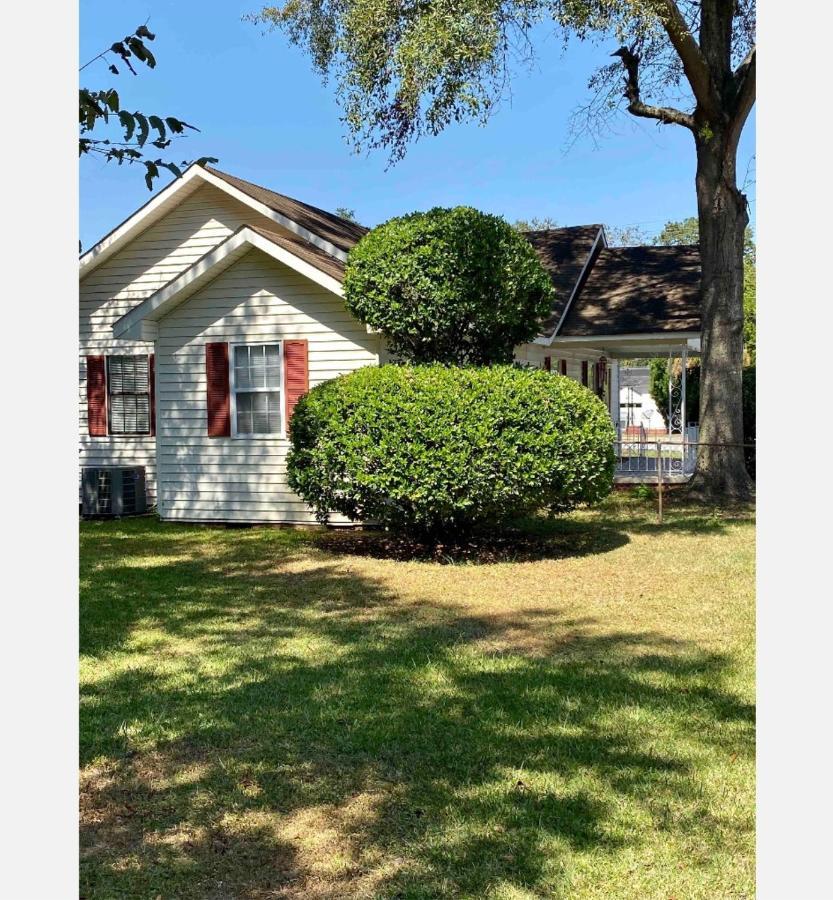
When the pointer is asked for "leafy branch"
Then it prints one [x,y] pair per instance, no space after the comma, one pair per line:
[97,107]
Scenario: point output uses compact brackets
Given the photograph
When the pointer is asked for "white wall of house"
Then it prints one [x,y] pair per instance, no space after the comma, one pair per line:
[161,252]
[256,299]
[535,354]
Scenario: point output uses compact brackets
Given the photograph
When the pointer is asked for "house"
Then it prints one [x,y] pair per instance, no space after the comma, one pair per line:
[215,306]
[637,408]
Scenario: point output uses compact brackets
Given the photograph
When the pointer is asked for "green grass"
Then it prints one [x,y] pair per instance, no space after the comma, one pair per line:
[262,716]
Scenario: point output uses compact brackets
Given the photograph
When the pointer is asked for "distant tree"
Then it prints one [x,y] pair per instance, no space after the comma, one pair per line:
[625,236]
[455,286]
[344,212]
[97,107]
[535,224]
[403,70]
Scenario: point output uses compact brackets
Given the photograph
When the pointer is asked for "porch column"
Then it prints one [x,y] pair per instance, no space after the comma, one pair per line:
[613,402]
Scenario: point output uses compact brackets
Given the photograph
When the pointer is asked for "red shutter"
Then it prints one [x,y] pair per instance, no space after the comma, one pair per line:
[217,390]
[584,372]
[152,383]
[563,366]
[548,364]
[296,374]
[96,396]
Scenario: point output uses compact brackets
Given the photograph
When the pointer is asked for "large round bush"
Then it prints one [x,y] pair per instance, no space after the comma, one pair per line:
[448,285]
[437,450]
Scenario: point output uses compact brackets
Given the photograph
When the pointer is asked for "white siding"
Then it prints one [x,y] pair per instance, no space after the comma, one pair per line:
[533,354]
[241,479]
[152,259]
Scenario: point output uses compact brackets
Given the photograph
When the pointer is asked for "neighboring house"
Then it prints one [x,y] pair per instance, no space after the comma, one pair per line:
[637,408]
[207,313]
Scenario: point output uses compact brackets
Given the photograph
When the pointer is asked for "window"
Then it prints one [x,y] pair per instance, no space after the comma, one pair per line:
[128,389]
[256,389]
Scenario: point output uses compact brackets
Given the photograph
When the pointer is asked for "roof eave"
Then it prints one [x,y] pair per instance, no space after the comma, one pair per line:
[177,191]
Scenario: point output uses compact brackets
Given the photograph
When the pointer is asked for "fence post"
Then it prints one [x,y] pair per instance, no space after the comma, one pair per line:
[659,482]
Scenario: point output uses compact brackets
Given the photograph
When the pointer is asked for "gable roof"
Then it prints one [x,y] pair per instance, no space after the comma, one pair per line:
[564,253]
[343,233]
[637,290]
[139,322]
[323,230]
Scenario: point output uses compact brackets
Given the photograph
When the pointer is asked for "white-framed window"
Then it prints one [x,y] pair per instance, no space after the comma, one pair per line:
[128,394]
[257,389]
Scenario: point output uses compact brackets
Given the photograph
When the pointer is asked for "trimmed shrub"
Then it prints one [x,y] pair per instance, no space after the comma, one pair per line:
[437,450]
[448,285]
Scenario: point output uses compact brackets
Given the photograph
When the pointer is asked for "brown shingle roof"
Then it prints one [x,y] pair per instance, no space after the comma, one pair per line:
[340,232]
[637,290]
[304,250]
[563,253]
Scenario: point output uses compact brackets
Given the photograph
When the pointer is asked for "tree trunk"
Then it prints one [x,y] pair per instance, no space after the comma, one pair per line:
[721,472]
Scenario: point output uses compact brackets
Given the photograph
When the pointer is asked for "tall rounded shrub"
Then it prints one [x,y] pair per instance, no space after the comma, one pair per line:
[448,285]
[438,450]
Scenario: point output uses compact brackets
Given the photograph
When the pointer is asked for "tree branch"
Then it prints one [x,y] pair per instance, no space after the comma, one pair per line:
[666,115]
[694,63]
[744,81]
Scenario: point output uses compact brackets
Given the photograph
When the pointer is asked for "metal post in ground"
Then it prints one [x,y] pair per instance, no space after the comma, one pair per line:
[659,483]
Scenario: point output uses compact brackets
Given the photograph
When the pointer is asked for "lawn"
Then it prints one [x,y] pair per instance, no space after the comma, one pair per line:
[279,713]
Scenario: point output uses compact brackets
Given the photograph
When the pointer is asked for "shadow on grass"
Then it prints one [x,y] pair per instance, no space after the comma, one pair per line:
[527,541]
[265,722]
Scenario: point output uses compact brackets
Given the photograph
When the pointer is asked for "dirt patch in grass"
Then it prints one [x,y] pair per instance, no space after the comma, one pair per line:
[511,545]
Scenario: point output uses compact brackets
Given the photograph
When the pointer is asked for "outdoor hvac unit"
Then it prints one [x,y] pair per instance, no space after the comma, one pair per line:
[113,490]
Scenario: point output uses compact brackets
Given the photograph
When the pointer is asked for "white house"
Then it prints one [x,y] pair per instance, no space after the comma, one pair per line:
[207,313]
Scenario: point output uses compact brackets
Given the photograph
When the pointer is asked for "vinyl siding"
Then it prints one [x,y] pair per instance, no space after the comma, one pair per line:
[241,479]
[152,259]
[533,354]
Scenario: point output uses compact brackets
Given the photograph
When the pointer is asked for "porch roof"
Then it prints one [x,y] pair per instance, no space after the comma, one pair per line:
[637,291]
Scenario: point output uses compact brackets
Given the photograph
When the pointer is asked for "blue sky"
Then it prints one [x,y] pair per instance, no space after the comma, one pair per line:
[267,117]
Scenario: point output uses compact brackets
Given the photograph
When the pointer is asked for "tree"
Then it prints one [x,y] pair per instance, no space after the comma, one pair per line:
[448,285]
[625,235]
[98,107]
[407,69]
[345,212]
[545,223]
[687,231]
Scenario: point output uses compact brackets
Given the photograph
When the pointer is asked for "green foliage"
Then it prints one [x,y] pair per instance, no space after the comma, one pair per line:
[97,107]
[448,285]
[749,430]
[749,307]
[659,391]
[438,450]
[345,212]
[687,231]
[406,69]
[658,381]
[642,492]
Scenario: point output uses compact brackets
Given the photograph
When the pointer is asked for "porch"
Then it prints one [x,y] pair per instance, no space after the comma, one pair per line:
[649,445]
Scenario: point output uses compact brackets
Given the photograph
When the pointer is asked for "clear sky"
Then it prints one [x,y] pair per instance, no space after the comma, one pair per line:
[268,118]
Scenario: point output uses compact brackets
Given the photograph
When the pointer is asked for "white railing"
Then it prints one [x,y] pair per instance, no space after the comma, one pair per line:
[651,459]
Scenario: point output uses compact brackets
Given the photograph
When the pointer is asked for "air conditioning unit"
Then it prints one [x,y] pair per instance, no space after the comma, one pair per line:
[113,490]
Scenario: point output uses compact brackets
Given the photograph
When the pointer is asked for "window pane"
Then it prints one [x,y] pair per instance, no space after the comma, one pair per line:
[128,373]
[244,413]
[273,366]
[241,368]
[259,412]
[129,413]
